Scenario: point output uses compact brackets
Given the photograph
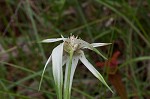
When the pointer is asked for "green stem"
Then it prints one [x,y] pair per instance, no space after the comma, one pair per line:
[59,92]
[67,91]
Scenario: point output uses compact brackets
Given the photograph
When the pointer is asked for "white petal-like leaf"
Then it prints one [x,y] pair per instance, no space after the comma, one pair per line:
[53,40]
[93,70]
[57,55]
[75,60]
[90,46]
[49,59]
[65,58]
[99,44]
[99,53]
[63,38]
[83,44]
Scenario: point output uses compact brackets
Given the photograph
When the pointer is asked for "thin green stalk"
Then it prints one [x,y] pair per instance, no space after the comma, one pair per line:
[126,19]
[4,88]
[66,89]
[58,91]
[88,96]
[90,24]
[132,67]
[30,13]
[84,19]
[13,94]
[134,60]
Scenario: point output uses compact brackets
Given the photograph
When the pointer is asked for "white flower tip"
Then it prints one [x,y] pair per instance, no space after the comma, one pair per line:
[108,43]
[110,90]
[62,36]
[44,41]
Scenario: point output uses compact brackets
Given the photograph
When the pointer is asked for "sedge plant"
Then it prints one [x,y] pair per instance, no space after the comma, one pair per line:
[68,53]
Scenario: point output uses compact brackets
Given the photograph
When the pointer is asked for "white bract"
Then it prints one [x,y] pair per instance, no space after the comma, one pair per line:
[70,52]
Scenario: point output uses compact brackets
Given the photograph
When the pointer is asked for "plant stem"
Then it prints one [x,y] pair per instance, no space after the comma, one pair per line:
[66,88]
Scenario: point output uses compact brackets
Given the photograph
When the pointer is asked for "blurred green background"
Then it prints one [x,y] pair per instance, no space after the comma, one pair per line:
[24,23]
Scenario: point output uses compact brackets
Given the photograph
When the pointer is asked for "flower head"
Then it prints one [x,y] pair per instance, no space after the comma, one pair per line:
[70,52]
[71,44]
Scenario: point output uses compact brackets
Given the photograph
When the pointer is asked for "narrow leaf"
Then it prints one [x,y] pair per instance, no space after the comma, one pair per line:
[95,50]
[57,55]
[99,44]
[53,40]
[93,70]
[74,65]
[49,59]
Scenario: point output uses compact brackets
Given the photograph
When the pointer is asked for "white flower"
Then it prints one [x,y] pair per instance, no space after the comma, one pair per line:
[61,56]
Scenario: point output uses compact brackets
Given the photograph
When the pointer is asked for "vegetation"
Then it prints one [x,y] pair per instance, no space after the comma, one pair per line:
[124,23]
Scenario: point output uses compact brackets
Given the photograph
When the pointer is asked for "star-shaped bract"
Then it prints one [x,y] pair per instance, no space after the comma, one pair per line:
[70,52]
